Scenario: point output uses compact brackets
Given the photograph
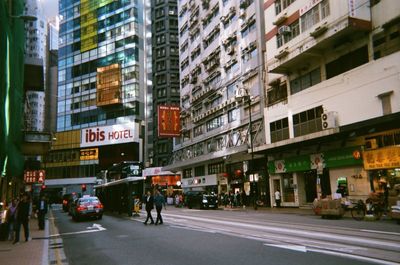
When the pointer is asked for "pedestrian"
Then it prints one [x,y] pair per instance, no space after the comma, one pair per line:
[385,199]
[149,206]
[41,210]
[159,201]
[24,211]
[11,219]
[278,198]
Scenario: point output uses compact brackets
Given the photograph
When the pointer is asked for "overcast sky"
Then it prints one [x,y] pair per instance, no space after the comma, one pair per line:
[50,8]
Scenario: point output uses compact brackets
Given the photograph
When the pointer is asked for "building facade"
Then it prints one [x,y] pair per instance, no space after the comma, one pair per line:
[332,98]
[221,83]
[101,87]
[165,75]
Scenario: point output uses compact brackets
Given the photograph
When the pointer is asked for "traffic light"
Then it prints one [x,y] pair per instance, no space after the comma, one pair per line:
[83,186]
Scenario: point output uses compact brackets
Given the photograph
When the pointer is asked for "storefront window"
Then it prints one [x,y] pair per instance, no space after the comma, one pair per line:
[288,188]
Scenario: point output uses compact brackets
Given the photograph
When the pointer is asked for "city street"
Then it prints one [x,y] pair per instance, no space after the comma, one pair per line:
[225,237]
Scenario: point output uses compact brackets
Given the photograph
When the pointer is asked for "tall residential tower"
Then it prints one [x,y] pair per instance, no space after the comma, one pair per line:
[221,74]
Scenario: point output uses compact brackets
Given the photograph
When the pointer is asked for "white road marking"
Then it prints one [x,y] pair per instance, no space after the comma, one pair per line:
[346,255]
[92,229]
[295,232]
[381,232]
[290,247]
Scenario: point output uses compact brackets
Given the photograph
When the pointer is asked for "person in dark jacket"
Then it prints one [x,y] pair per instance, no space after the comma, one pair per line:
[149,200]
[159,201]
[41,208]
[24,210]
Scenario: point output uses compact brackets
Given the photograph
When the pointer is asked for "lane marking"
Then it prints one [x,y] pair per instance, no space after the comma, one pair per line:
[94,228]
[352,256]
[290,247]
[380,232]
[294,232]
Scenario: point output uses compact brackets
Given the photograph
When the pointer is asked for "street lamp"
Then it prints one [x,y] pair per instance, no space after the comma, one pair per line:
[242,95]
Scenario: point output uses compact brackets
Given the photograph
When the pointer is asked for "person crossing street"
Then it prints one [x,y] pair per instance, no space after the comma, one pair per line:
[159,201]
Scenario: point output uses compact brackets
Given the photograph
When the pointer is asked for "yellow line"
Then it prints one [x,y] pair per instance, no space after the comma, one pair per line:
[54,230]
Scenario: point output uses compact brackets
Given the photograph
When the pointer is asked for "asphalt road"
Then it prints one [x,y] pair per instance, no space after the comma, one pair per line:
[227,237]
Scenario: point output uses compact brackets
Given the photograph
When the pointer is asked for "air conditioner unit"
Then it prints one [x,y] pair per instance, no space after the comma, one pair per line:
[242,14]
[328,120]
[284,30]
[371,144]
[230,50]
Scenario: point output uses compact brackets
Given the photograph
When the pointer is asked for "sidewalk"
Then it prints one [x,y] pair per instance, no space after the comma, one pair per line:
[33,252]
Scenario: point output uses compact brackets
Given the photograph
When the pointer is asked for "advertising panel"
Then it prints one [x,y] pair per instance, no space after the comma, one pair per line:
[168,121]
[382,158]
[107,135]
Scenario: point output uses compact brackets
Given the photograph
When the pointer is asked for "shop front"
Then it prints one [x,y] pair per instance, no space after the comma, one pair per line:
[303,178]
[383,166]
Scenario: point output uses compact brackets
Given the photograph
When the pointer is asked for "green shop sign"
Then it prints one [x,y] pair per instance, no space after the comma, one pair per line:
[331,159]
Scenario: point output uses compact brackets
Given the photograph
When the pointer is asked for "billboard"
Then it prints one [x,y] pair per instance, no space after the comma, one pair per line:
[107,135]
[168,121]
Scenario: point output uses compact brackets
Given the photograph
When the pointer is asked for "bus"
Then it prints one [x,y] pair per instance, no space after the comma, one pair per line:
[123,184]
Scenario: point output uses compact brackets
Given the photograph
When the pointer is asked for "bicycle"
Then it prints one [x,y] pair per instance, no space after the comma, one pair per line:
[361,209]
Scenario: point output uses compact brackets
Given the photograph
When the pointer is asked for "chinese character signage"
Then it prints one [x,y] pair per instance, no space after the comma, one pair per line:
[89,154]
[168,121]
[34,176]
[388,157]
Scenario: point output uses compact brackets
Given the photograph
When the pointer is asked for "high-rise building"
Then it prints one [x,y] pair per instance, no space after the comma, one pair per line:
[101,87]
[221,74]
[165,64]
[332,113]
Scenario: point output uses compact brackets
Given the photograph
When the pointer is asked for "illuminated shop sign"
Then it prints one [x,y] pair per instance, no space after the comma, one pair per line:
[388,157]
[89,154]
[106,135]
[34,176]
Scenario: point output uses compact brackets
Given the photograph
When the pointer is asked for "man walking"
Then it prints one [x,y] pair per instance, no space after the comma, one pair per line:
[41,211]
[278,198]
[24,210]
[149,206]
[159,201]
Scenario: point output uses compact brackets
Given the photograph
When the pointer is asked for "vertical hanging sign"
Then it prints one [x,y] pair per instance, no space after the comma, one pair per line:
[168,121]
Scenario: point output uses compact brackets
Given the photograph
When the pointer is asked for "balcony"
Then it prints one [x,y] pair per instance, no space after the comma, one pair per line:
[323,37]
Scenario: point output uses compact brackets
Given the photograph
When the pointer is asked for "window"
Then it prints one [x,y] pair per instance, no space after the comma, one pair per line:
[315,15]
[285,38]
[277,92]
[214,123]
[198,130]
[232,115]
[386,42]
[305,81]
[307,122]
[347,62]
[279,130]
[199,171]
[187,173]
[216,168]
[386,104]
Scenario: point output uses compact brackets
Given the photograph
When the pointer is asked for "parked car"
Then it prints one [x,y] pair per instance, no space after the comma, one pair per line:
[201,199]
[87,206]
[67,200]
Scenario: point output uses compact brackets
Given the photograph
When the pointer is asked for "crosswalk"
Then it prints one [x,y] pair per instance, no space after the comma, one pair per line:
[366,245]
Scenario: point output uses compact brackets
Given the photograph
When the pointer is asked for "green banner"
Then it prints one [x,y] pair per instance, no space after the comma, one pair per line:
[349,156]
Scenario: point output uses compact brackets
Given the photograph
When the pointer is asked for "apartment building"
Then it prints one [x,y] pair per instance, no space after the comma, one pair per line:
[101,87]
[221,84]
[332,114]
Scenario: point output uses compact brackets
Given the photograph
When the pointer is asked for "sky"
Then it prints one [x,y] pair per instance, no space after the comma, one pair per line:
[50,8]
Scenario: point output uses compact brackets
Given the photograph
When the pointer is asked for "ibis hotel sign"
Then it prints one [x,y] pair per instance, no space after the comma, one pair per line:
[107,135]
